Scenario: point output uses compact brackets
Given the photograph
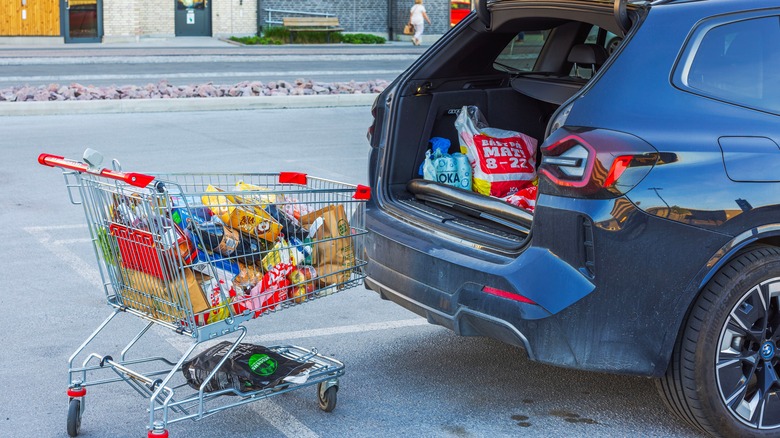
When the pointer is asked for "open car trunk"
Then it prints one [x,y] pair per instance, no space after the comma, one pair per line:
[516,87]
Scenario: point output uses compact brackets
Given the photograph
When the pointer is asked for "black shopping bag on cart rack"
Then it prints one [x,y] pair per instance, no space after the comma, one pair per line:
[249,368]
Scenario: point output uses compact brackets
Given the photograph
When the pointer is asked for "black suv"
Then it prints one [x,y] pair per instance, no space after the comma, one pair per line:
[654,246]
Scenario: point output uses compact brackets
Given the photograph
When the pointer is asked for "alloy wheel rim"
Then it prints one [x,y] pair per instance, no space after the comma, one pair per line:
[747,364]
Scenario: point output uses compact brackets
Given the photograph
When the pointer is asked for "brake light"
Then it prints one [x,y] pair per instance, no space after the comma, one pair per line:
[594,163]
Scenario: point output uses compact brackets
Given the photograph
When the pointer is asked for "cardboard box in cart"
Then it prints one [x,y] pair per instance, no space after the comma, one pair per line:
[152,295]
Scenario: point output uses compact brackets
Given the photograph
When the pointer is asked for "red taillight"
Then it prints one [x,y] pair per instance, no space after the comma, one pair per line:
[507,294]
[594,163]
[618,167]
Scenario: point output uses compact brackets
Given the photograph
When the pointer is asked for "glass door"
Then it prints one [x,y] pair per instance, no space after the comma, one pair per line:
[82,20]
[193,18]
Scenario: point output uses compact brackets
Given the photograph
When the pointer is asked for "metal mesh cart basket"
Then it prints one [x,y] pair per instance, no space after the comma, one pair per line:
[201,254]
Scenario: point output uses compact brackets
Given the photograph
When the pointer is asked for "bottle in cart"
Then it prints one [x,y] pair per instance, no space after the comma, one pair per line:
[215,237]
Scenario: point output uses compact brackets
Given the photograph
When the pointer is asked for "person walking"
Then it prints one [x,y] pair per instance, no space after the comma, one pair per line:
[417,17]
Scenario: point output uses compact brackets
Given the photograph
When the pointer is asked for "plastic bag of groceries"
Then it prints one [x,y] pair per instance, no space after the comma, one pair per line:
[249,368]
[438,165]
[503,162]
[524,198]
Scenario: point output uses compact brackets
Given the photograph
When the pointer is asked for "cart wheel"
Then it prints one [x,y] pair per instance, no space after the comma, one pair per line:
[74,417]
[157,433]
[327,398]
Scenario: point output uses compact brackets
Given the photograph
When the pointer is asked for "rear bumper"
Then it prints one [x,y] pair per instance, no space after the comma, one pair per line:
[465,321]
[615,307]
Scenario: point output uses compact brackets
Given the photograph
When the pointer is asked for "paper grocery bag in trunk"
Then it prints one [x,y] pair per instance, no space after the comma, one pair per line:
[333,255]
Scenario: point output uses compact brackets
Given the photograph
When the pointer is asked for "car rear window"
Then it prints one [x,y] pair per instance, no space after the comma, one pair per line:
[522,51]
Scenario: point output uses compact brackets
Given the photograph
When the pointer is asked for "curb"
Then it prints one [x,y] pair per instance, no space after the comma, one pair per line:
[53,108]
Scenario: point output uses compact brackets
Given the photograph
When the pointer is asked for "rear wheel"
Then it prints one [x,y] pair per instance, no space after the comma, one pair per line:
[723,377]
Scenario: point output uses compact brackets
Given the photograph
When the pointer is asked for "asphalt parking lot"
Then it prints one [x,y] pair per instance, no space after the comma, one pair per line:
[403,377]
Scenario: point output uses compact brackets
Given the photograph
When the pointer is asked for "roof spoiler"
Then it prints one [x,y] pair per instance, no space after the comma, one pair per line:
[619,8]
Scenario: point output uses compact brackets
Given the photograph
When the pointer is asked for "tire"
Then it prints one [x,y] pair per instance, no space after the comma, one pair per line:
[74,417]
[327,399]
[723,375]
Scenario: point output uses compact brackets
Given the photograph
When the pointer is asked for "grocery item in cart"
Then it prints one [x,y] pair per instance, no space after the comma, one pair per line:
[250,219]
[221,296]
[285,209]
[249,368]
[301,286]
[333,254]
[272,290]
[189,219]
[248,276]
[157,253]
[158,298]
[283,252]
[182,215]
[216,238]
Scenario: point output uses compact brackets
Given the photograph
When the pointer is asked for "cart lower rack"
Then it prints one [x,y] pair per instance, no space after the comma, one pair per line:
[202,254]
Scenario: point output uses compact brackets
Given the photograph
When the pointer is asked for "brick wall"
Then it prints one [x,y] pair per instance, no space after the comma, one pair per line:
[120,18]
[368,16]
[233,17]
[155,17]
[438,11]
[131,18]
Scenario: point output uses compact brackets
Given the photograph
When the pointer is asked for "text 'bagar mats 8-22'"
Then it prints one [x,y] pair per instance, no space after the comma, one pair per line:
[201,254]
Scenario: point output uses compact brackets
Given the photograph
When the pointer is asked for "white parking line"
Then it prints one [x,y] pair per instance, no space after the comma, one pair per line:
[71,241]
[85,270]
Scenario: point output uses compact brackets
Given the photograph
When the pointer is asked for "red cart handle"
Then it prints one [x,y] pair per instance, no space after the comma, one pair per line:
[134,179]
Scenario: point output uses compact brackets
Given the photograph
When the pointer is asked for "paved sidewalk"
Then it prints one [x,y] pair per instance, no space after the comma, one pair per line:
[202,46]
[182,48]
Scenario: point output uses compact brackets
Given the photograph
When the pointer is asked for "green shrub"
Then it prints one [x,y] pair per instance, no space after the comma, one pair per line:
[255,40]
[361,38]
[281,35]
[277,33]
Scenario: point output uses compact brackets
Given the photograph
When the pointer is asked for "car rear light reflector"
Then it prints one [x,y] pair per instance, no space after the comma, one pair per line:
[507,294]
[571,163]
[593,163]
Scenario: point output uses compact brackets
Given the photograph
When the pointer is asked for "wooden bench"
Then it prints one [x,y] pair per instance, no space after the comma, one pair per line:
[311,24]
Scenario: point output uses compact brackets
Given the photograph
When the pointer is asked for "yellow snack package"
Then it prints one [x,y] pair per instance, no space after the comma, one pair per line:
[247,218]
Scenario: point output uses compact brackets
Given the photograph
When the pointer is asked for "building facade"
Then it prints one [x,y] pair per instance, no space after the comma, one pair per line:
[74,21]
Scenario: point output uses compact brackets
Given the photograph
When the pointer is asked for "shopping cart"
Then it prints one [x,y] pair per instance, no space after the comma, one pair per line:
[201,254]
